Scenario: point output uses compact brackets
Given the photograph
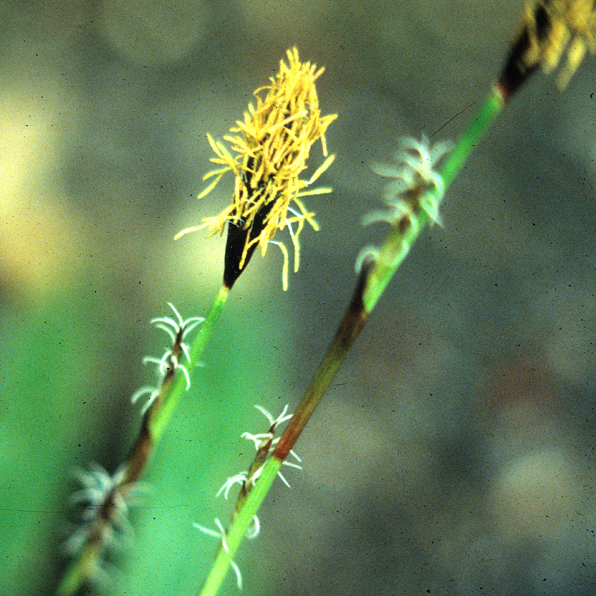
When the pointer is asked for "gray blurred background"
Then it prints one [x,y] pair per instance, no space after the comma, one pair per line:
[453,454]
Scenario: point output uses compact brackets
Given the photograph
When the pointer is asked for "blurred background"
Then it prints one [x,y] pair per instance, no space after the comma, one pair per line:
[454,453]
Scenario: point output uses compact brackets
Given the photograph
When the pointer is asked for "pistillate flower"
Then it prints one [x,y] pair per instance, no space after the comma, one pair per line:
[550,29]
[268,154]
[264,444]
[417,186]
[105,502]
[416,174]
[177,329]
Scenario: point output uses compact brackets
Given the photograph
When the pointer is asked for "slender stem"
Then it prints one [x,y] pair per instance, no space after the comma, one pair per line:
[397,245]
[152,428]
[478,125]
[373,280]
[237,530]
[348,330]
[161,417]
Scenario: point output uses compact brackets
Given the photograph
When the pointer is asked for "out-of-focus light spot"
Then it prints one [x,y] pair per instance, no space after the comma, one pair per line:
[154,33]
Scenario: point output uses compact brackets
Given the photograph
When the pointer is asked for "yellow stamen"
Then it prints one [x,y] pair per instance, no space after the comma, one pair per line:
[267,158]
[556,27]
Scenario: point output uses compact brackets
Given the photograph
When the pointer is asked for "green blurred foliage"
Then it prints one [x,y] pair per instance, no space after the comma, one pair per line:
[53,397]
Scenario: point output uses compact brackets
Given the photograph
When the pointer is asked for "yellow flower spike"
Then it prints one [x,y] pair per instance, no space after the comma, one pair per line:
[550,30]
[267,158]
[572,25]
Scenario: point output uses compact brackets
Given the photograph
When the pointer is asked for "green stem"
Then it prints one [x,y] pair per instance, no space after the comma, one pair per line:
[81,567]
[160,419]
[237,530]
[348,330]
[372,282]
[397,245]
[477,127]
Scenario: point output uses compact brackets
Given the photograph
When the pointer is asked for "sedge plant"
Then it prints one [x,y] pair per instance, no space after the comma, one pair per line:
[550,29]
[270,149]
[267,155]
